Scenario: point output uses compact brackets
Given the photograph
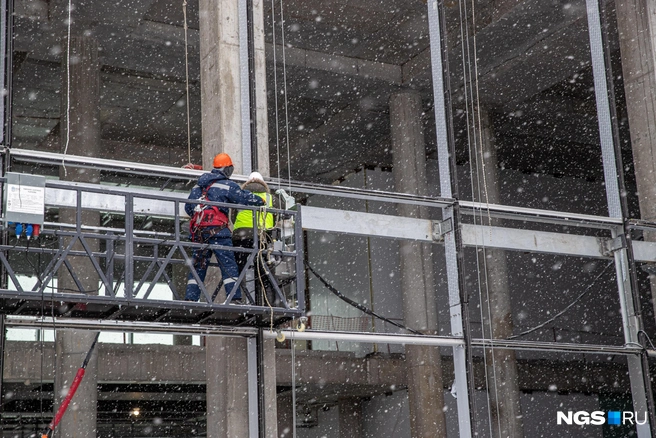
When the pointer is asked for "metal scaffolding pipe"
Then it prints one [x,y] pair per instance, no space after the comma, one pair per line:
[317,335]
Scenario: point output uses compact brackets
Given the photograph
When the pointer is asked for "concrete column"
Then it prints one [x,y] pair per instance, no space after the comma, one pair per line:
[636,24]
[227,398]
[350,418]
[227,387]
[501,365]
[80,135]
[220,79]
[424,368]
[179,276]
[71,347]
[270,392]
[261,89]
[285,416]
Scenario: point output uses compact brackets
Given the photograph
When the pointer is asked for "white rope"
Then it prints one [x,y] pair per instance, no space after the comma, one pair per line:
[275,87]
[476,188]
[263,237]
[186,39]
[291,338]
[284,80]
[68,87]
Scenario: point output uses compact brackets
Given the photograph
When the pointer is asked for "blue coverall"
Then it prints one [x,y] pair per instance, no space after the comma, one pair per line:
[221,189]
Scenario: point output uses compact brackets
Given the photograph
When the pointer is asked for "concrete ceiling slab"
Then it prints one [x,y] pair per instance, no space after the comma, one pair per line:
[340,54]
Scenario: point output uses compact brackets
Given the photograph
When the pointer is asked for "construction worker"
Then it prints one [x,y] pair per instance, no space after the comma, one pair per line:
[242,235]
[209,224]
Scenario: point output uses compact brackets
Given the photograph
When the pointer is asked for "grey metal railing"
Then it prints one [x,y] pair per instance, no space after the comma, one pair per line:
[129,263]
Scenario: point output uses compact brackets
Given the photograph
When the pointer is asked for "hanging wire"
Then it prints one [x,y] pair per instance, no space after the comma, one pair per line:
[291,339]
[68,87]
[355,304]
[186,39]
[569,306]
[471,109]
[275,87]
[284,81]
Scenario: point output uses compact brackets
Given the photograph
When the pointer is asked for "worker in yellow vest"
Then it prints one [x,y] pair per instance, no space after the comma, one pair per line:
[242,235]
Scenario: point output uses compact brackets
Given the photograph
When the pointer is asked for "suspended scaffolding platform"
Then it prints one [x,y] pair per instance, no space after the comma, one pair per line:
[135,268]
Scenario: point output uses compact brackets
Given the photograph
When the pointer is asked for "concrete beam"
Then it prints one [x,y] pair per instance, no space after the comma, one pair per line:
[135,152]
[344,65]
[167,364]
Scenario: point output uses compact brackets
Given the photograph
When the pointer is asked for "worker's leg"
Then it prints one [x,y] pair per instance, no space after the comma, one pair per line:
[242,257]
[228,265]
[200,259]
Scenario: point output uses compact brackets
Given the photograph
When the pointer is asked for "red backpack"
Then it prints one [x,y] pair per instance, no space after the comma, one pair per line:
[206,217]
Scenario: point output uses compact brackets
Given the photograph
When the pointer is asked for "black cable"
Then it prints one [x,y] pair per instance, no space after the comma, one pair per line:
[357,305]
[569,306]
[644,333]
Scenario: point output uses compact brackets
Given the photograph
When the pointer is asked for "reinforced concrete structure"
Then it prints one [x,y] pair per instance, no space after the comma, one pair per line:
[477,176]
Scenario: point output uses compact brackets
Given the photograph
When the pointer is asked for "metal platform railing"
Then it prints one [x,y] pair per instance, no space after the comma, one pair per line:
[129,263]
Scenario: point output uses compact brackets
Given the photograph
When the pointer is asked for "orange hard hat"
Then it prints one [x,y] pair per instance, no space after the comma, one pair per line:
[222,160]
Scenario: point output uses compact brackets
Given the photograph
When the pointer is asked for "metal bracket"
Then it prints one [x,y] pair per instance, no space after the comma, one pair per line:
[609,246]
[440,228]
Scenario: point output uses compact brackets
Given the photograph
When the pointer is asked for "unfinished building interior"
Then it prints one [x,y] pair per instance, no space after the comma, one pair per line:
[478,173]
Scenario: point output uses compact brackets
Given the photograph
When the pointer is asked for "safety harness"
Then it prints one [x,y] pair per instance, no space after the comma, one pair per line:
[207,220]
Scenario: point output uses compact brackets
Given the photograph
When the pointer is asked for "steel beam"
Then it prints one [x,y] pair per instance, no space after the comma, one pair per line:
[624,263]
[534,241]
[458,309]
[3,335]
[368,224]
[255,393]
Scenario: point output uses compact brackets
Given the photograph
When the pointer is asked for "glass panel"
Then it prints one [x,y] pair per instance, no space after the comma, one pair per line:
[543,297]
[553,385]
[142,105]
[646,277]
[524,106]
[368,272]
[330,73]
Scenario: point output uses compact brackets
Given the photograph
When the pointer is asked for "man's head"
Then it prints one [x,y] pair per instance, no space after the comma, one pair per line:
[223,162]
[255,176]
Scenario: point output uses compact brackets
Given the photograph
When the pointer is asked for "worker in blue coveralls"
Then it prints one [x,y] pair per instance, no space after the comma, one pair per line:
[209,225]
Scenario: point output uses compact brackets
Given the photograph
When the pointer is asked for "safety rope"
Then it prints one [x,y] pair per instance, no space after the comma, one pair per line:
[275,87]
[472,110]
[68,87]
[186,41]
[259,263]
[284,81]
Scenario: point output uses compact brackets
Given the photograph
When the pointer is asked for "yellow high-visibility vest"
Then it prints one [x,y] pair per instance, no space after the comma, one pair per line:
[244,218]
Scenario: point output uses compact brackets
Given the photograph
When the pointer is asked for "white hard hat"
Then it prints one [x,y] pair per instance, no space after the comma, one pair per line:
[255,175]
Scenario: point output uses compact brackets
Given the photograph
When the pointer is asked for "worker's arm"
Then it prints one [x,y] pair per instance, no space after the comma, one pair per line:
[237,195]
[196,193]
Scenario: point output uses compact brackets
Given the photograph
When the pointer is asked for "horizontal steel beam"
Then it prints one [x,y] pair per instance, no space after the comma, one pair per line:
[127,326]
[532,241]
[55,159]
[370,224]
[366,224]
[467,207]
[314,335]
[446,341]
[378,225]
[537,215]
